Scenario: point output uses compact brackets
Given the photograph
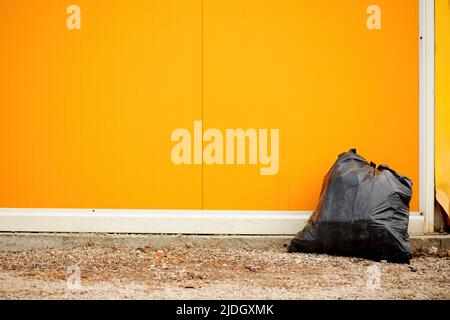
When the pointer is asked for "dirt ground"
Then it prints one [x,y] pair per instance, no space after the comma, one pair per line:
[200,273]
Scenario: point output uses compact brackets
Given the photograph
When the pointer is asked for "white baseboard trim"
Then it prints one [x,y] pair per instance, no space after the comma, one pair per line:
[164,221]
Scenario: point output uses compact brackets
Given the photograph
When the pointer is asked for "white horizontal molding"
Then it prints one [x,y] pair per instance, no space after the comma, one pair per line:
[164,221]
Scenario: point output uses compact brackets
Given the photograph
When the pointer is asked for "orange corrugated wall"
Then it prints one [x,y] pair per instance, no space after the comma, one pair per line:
[86,115]
[443,103]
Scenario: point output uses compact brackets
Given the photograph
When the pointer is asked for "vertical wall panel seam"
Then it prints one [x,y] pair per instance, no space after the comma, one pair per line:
[202,96]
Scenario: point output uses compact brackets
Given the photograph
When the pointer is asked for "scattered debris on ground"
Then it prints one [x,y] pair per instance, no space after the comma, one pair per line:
[112,272]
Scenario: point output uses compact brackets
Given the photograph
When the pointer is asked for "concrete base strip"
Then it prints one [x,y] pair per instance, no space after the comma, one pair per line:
[431,244]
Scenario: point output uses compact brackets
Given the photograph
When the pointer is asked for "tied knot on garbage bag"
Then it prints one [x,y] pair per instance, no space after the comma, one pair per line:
[363,211]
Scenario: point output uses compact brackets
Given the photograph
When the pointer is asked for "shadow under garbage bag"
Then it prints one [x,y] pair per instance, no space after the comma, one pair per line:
[363,211]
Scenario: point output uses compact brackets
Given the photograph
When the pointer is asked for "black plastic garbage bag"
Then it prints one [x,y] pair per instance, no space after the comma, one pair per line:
[363,211]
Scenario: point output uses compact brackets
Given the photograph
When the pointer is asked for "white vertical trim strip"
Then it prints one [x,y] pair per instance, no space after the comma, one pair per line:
[426,113]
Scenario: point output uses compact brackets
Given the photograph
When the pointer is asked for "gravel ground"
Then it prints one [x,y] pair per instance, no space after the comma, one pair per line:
[200,273]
